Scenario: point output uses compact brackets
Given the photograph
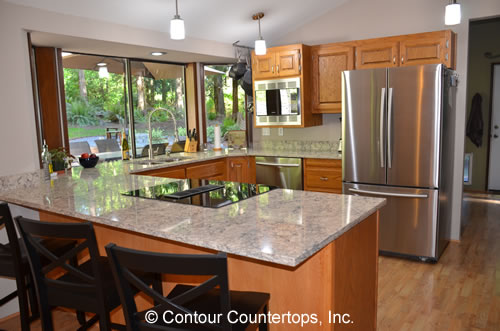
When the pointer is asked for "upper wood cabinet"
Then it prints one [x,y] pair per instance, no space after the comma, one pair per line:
[377,54]
[328,62]
[431,47]
[283,61]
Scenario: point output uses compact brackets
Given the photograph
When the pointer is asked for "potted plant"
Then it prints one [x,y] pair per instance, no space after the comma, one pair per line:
[60,158]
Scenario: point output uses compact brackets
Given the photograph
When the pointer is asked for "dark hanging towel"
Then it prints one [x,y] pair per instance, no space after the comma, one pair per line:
[475,121]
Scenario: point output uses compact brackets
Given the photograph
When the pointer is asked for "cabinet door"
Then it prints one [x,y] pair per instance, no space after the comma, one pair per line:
[241,169]
[288,62]
[328,64]
[377,54]
[424,51]
[323,175]
[208,170]
[263,66]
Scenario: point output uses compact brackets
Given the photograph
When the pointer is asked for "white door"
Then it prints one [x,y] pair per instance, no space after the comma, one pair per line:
[494,167]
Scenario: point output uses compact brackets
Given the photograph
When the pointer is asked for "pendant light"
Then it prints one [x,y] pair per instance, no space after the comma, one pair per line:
[452,13]
[260,44]
[103,70]
[177,31]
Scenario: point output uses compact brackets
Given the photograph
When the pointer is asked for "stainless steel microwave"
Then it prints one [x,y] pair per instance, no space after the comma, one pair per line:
[278,102]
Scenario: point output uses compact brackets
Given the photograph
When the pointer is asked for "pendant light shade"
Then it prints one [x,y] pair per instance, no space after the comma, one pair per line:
[103,70]
[260,44]
[177,30]
[260,47]
[452,14]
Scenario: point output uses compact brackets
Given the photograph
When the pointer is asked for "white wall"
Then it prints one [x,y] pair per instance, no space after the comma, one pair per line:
[363,19]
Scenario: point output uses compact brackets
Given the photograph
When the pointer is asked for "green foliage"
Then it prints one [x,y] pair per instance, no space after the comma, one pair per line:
[157,135]
[80,113]
[210,133]
[182,131]
[229,125]
[80,132]
[212,116]
[115,113]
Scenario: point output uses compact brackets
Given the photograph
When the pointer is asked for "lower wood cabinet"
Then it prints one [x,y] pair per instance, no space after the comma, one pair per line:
[323,175]
[237,169]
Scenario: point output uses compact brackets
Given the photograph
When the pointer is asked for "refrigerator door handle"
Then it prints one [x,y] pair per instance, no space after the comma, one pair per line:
[388,194]
[389,129]
[381,142]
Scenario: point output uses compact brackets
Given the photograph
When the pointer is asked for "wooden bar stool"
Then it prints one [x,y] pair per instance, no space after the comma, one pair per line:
[211,297]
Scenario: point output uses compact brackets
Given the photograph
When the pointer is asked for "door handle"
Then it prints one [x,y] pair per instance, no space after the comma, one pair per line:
[278,68]
[277,164]
[402,59]
[389,129]
[323,178]
[272,69]
[388,194]
[381,137]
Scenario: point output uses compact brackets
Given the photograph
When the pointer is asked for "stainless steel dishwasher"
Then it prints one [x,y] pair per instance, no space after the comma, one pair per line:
[282,172]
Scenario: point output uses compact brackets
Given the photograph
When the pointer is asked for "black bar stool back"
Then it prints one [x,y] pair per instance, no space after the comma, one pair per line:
[210,297]
[82,287]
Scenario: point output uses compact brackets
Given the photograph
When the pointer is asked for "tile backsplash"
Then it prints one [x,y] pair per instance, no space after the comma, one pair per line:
[316,138]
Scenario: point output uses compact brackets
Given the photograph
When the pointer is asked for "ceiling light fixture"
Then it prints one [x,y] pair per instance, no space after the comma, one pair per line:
[103,70]
[260,44]
[452,15]
[177,31]
[158,53]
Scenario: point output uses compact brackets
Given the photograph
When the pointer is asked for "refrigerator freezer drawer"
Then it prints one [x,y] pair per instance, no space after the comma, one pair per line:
[408,222]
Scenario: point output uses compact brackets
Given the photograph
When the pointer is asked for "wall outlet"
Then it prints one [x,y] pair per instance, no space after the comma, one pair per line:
[280,131]
[266,131]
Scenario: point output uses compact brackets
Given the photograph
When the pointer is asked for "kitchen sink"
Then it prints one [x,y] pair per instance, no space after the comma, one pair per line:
[162,161]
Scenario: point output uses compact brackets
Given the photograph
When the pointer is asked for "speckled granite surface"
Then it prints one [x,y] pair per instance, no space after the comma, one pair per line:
[283,226]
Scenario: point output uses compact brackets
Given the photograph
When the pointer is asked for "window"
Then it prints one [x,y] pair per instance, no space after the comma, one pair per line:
[96,104]
[158,85]
[97,99]
[224,102]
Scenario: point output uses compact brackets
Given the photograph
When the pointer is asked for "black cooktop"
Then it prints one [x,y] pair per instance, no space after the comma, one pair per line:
[201,192]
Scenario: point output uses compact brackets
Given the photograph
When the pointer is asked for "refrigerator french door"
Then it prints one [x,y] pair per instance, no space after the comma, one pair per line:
[392,127]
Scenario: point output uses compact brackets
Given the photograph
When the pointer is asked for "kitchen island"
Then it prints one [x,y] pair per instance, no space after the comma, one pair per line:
[315,253]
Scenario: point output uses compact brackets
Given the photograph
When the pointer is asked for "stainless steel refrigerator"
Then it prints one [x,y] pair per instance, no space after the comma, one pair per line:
[398,144]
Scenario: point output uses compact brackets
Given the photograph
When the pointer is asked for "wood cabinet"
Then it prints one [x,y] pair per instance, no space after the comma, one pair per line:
[292,61]
[431,47]
[171,172]
[241,169]
[207,170]
[284,61]
[323,175]
[377,54]
[328,62]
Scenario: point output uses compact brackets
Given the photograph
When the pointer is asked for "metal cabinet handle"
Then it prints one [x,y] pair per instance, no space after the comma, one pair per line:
[394,60]
[388,194]
[389,129]
[277,164]
[278,68]
[272,69]
[402,59]
[381,137]
[232,165]
[323,178]
[238,166]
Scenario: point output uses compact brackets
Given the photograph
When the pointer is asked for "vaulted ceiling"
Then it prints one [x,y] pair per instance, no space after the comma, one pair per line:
[219,20]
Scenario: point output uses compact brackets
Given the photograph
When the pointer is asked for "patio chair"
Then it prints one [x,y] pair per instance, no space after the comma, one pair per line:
[107,145]
[79,147]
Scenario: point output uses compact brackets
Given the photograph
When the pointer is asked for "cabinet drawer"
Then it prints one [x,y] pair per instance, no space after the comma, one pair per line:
[323,175]
[179,173]
[209,170]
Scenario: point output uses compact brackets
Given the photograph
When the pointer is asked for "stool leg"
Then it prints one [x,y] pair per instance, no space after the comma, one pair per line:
[24,312]
[80,316]
[35,313]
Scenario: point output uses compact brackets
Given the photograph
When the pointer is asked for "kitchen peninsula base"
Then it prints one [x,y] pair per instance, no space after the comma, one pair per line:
[339,279]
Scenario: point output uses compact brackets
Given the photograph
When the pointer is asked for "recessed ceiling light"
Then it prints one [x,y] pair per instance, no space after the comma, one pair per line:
[158,53]
[102,64]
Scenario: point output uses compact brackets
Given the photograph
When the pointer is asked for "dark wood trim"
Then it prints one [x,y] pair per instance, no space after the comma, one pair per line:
[62,98]
[35,99]
[490,114]
[191,83]
[203,104]
[49,96]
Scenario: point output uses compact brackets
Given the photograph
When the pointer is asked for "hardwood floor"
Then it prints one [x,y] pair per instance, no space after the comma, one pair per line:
[460,292]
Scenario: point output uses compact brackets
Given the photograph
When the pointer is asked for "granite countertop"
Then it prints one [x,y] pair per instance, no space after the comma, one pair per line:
[283,226]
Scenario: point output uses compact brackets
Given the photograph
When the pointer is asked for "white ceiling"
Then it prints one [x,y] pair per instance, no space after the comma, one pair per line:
[219,20]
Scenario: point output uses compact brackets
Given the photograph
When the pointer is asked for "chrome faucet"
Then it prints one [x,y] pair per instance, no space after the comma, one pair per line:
[176,135]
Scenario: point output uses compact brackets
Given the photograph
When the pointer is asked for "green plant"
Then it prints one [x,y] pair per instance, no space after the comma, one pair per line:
[212,116]
[157,136]
[210,133]
[182,131]
[59,158]
[228,125]
[80,113]
[115,113]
